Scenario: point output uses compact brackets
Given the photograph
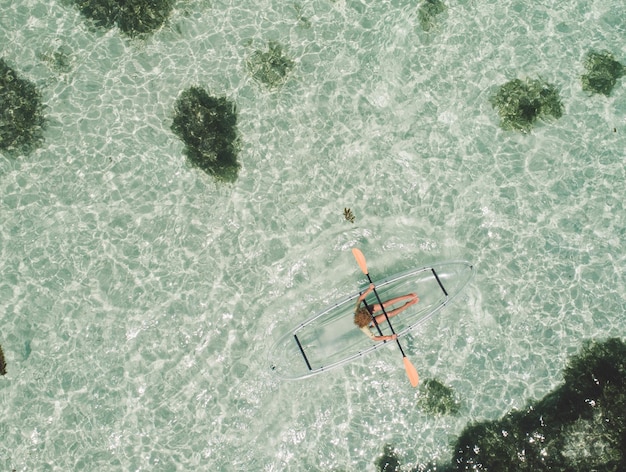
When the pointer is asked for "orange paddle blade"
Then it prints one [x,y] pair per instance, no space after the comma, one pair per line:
[411,372]
[360,259]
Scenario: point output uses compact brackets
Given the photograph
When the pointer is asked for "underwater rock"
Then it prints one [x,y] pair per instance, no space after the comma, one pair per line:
[437,399]
[3,364]
[208,127]
[520,103]
[133,17]
[270,67]
[21,113]
[580,426]
[388,462]
[602,72]
[427,12]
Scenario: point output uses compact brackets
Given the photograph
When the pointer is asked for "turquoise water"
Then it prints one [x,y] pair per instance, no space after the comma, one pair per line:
[139,298]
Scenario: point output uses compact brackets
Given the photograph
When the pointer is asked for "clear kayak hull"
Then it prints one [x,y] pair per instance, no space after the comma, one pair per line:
[330,339]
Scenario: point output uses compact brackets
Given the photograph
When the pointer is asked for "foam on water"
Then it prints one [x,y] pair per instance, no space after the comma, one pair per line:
[139,297]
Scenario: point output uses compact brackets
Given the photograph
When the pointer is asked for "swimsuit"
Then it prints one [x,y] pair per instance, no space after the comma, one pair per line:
[368,331]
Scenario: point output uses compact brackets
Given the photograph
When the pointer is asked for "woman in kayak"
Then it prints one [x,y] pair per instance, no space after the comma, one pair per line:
[365,320]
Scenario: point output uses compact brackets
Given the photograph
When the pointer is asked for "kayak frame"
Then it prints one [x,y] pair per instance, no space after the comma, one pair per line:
[446,299]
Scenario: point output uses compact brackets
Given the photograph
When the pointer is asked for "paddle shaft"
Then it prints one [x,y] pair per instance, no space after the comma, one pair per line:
[380,302]
[371,310]
[410,369]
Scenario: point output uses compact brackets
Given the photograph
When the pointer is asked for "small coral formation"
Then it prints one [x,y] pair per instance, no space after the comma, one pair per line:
[437,399]
[133,17]
[3,364]
[427,12]
[603,71]
[520,103]
[303,21]
[59,60]
[208,127]
[270,67]
[348,215]
[579,426]
[388,462]
[21,113]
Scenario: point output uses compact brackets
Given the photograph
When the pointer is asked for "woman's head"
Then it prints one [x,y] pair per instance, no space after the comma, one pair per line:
[362,317]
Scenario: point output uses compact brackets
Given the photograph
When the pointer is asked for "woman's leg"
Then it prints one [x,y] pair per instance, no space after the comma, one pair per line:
[411,298]
[393,301]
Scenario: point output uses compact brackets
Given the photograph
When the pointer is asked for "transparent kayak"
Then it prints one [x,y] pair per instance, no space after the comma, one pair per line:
[330,338]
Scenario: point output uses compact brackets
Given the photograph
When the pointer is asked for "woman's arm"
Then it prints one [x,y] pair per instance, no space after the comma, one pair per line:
[385,338]
[369,334]
[366,293]
[363,295]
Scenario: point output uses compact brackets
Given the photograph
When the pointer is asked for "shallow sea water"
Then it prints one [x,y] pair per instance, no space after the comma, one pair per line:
[139,298]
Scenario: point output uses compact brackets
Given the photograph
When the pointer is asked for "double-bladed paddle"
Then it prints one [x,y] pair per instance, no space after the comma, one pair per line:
[410,370]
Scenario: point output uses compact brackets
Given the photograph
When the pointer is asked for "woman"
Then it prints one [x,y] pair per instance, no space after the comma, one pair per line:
[365,320]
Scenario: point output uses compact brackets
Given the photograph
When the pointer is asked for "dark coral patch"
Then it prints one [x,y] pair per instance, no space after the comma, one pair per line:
[133,17]
[579,426]
[270,67]
[3,364]
[521,103]
[388,462]
[208,127]
[428,11]
[21,113]
[438,399]
[603,71]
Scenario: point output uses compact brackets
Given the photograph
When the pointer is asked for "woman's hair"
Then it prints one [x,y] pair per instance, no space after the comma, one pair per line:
[362,317]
